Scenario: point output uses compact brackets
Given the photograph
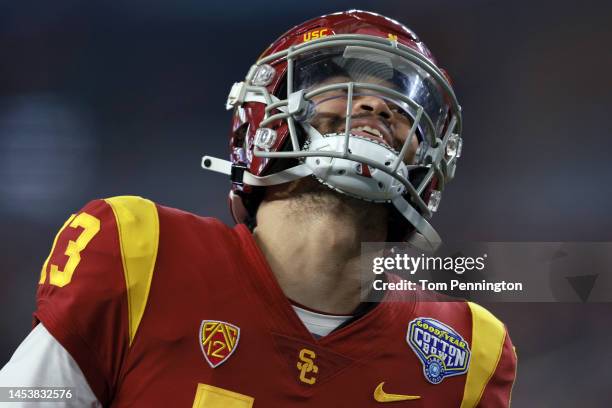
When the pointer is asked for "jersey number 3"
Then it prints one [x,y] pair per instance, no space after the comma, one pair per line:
[58,277]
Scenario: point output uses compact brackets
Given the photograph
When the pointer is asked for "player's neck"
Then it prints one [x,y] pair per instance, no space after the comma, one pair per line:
[315,257]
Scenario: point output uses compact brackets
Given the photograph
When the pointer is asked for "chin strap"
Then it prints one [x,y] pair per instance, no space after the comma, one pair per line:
[424,238]
[284,176]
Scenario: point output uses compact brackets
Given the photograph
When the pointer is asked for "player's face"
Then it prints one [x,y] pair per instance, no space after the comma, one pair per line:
[373,116]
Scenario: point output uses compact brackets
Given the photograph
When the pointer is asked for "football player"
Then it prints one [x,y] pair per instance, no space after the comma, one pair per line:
[344,131]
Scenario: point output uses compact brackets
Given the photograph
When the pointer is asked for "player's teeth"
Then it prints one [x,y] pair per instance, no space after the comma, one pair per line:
[369,130]
[375,131]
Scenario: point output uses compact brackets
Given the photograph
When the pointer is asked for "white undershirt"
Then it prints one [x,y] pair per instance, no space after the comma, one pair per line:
[319,324]
[41,361]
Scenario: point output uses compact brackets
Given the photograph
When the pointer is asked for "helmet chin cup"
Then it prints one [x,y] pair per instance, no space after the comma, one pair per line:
[365,171]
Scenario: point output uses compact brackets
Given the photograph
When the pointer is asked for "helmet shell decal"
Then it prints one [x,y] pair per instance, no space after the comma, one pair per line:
[316,33]
[442,351]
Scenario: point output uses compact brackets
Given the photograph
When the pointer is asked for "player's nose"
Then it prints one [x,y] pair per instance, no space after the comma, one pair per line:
[372,104]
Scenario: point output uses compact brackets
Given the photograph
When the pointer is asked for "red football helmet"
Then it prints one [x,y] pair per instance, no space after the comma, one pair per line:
[277,134]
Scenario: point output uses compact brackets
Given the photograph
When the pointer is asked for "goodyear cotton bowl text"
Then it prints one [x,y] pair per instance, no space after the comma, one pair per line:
[443,352]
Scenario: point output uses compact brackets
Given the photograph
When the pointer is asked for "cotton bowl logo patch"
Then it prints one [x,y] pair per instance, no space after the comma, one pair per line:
[441,349]
[218,341]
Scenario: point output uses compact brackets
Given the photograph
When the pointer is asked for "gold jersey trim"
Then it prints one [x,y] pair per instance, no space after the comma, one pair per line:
[138,225]
[488,336]
[209,396]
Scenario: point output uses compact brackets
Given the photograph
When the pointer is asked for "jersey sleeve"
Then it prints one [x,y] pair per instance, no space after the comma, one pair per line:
[94,285]
[41,360]
[492,367]
[497,392]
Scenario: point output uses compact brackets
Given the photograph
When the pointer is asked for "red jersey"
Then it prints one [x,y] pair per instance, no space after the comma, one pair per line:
[160,307]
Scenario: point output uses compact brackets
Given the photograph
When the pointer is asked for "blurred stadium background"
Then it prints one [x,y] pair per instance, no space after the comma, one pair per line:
[108,98]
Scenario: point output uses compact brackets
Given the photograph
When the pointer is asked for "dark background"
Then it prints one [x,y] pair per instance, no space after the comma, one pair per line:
[108,98]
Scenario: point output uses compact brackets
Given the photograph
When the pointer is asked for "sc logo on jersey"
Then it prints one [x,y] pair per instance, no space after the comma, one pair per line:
[442,351]
[306,365]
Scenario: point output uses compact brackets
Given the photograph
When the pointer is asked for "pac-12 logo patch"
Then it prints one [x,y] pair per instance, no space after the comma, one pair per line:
[218,341]
[443,352]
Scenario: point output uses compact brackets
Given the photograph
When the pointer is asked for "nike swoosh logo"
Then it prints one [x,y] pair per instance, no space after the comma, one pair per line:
[381,396]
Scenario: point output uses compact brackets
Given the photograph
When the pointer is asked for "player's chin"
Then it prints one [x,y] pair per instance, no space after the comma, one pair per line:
[311,186]
[306,186]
